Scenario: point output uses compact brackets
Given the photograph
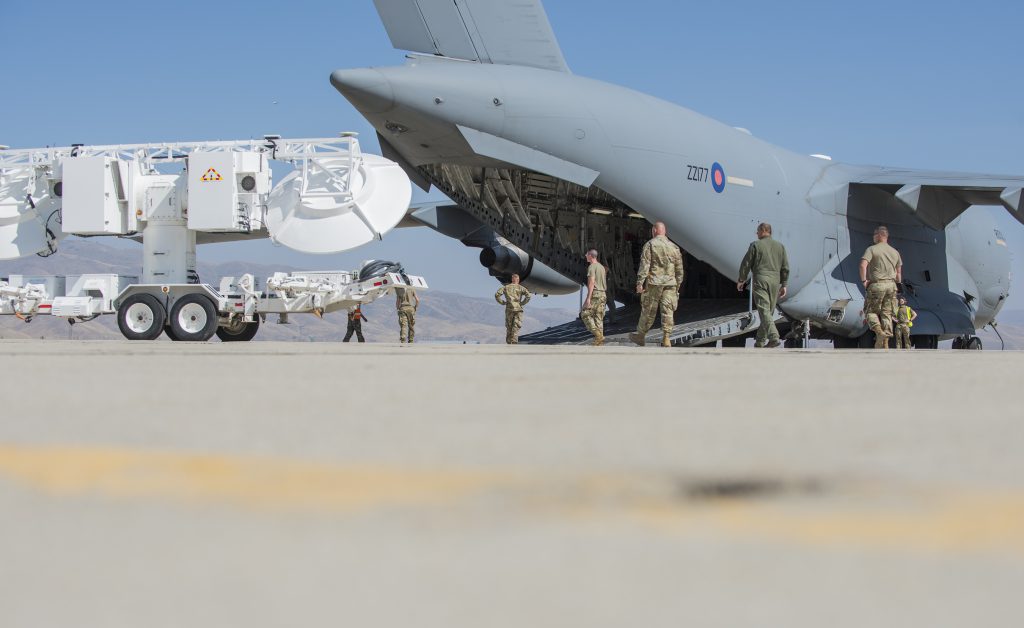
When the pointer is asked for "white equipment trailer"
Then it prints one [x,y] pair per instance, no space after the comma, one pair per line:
[336,199]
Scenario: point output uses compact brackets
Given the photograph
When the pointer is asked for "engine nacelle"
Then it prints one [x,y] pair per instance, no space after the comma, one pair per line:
[507,259]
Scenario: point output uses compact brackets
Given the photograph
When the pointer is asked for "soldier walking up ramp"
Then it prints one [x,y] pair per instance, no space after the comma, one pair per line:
[700,322]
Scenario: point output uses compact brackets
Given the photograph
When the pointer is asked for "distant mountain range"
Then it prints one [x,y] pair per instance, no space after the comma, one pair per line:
[442,317]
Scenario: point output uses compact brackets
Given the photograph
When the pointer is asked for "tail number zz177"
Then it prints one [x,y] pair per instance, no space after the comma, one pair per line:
[697,173]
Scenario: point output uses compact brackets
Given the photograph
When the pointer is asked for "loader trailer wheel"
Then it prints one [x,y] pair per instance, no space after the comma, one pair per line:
[141,317]
[238,332]
[193,318]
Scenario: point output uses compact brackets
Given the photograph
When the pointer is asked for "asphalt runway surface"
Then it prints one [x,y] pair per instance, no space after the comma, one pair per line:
[274,484]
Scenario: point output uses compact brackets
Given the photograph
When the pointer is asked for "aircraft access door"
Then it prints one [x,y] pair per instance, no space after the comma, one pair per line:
[835,282]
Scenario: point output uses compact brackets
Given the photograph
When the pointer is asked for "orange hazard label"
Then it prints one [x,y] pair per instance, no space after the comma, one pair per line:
[211,175]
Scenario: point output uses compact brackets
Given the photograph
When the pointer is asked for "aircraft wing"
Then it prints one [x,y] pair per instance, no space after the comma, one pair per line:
[937,198]
[507,32]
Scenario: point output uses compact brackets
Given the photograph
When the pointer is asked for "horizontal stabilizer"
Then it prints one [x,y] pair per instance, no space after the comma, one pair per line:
[501,149]
[508,32]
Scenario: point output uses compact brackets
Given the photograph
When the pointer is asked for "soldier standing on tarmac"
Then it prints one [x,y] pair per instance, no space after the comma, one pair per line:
[767,260]
[513,296]
[905,316]
[881,268]
[658,282]
[355,324]
[593,308]
[406,302]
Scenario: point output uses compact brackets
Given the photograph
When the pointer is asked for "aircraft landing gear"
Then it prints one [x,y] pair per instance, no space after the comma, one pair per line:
[925,342]
[969,343]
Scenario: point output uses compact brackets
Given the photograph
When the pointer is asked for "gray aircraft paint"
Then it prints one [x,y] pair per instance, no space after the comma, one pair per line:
[643,151]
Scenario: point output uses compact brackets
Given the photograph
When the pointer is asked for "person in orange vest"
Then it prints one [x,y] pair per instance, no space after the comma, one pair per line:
[905,316]
[355,324]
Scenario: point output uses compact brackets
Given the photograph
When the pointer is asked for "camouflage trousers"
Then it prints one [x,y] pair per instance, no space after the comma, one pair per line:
[406,324]
[513,322]
[880,303]
[354,327]
[766,297]
[593,318]
[903,336]
[653,300]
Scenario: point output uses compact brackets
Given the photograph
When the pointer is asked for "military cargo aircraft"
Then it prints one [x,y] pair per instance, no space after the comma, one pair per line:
[542,164]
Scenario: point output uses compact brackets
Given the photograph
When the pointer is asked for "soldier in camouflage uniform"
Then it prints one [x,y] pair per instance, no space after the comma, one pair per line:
[905,316]
[881,268]
[592,314]
[406,302]
[658,282]
[767,260]
[513,296]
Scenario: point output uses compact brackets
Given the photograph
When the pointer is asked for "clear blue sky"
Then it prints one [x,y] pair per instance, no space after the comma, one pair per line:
[927,85]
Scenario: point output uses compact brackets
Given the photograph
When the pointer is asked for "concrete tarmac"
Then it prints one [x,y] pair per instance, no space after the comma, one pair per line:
[273,484]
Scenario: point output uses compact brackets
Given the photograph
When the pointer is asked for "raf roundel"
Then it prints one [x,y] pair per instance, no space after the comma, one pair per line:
[717,177]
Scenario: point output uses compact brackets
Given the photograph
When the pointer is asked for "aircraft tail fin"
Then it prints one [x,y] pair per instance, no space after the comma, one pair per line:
[508,32]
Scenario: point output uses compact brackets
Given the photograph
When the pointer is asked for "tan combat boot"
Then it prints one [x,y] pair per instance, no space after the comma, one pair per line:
[636,339]
[881,340]
[666,341]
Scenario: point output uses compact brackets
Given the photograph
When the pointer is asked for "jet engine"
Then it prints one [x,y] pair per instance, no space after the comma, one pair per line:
[497,254]
[505,259]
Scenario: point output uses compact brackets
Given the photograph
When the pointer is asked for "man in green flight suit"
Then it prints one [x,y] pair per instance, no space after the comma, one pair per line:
[766,258]
[513,296]
[592,314]
[881,268]
[657,283]
[406,302]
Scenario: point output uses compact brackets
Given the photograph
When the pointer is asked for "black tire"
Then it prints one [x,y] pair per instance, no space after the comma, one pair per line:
[247,332]
[958,342]
[170,333]
[193,318]
[867,341]
[973,344]
[141,317]
[794,343]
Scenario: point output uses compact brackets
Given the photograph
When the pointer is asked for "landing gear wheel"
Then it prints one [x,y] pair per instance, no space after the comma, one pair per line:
[794,343]
[238,331]
[170,333]
[141,317]
[973,344]
[193,318]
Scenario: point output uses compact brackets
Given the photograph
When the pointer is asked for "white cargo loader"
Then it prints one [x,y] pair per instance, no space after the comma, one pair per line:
[337,199]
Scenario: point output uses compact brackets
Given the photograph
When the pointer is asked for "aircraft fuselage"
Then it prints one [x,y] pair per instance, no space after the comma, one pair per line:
[710,183]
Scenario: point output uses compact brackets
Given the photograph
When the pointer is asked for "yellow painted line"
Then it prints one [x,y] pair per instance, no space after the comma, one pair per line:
[930,523]
[942,524]
[255,482]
